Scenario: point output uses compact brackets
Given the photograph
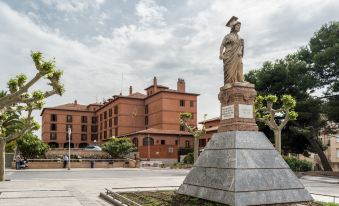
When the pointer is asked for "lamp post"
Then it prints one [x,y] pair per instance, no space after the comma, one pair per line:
[69,148]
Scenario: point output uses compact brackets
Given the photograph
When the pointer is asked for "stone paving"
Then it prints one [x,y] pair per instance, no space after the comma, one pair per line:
[81,187]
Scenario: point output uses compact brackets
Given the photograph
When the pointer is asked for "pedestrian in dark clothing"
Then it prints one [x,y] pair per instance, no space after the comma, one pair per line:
[65,159]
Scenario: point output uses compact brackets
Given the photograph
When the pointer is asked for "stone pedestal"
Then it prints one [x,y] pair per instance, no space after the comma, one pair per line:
[239,166]
[237,112]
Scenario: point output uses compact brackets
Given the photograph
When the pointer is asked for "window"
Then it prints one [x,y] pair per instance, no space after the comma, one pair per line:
[105,134]
[105,115]
[53,127]
[176,142]
[337,138]
[191,103]
[187,144]
[101,126]
[94,129]
[110,123]
[110,133]
[69,118]
[116,109]
[94,120]
[105,125]
[100,135]
[202,142]
[148,141]
[146,120]
[110,112]
[68,126]
[94,137]
[182,103]
[100,117]
[84,128]
[162,141]
[170,149]
[116,132]
[182,128]
[83,137]
[135,141]
[83,119]
[146,109]
[53,117]
[53,136]
[115,120]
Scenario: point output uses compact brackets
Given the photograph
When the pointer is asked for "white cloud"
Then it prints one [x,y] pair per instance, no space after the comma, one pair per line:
[73,5]
[163,42]
[150,13]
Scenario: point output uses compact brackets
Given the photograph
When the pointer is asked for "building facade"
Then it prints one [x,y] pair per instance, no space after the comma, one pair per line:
[132,115]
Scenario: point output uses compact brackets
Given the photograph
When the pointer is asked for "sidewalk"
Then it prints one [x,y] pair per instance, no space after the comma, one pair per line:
[321,179]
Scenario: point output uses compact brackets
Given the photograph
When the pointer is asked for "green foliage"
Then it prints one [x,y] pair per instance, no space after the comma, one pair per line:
[31,146]
[189,158]
[298,165]
[10,146]
[288,102]
[271,98]
[119,147]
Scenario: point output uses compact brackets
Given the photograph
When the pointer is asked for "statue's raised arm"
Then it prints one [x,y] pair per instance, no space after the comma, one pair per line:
[231,52]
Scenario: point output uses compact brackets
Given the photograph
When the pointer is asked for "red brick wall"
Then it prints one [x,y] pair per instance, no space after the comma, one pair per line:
[158,152]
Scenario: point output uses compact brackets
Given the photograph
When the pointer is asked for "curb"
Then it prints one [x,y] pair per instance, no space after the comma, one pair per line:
[111,200]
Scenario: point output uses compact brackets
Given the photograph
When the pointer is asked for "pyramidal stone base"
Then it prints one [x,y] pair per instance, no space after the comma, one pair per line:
[243,168]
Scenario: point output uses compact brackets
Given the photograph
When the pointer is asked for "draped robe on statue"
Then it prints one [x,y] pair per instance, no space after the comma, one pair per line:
[232,58]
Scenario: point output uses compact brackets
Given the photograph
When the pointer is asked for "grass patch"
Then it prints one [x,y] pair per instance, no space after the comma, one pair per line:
[166,198]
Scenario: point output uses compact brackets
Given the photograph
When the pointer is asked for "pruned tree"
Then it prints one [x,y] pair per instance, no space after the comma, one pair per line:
[18,99]
[119,147]
[197,133]
[275,119]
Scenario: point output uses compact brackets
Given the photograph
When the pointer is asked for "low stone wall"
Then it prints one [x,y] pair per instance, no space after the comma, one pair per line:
[54,163]
[84,154]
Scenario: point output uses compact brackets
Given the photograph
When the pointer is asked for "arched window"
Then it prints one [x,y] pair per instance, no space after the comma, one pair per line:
[135,141]
[148,141]
[53,145]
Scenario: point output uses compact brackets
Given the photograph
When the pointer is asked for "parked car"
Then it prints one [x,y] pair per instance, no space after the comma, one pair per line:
[93,148]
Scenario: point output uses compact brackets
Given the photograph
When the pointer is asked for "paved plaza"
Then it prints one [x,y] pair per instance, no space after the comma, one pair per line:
[82,186]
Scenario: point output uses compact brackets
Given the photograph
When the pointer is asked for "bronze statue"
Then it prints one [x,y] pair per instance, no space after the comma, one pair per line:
[231,52]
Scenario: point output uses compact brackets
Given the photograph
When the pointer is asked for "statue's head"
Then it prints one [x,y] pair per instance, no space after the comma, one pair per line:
[234,24]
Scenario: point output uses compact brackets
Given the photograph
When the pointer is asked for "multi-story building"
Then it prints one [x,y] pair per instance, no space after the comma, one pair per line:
[331,141]
[150,119]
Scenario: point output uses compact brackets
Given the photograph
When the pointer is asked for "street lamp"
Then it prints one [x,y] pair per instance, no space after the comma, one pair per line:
[69,148]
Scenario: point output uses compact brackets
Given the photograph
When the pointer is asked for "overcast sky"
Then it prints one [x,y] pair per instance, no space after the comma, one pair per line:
[95,41]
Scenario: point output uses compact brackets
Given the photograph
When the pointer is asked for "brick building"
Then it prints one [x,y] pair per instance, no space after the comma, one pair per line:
[154,115]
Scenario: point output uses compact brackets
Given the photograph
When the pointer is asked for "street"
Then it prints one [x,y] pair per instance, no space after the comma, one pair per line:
[82,186]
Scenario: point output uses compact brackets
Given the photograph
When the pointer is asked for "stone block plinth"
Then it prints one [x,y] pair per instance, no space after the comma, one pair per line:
[237,113]
[243,168]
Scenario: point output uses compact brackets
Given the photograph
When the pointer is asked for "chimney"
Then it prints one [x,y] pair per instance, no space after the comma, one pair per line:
[130,90]
[181,85]
[155,84]
[75,102]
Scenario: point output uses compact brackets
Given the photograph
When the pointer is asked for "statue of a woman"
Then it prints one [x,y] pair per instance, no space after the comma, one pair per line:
[231,52]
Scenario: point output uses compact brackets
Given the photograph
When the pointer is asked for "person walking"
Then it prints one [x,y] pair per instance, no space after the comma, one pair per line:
[17,161]
[65,158]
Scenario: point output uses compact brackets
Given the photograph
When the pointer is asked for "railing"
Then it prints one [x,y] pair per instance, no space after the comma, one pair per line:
[331,196]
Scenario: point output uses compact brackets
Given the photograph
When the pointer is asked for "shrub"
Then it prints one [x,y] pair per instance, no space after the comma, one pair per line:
[298,165]
[189,158]
[119,147]
[31,146]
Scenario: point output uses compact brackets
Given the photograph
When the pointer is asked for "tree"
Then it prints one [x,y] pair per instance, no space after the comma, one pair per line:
[19,100]
[275,119]
[119,147]
[197,134]
[31,146]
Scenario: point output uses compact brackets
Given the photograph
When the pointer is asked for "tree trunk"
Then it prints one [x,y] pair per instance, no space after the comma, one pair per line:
[324,161]
[277,140]
[196,149]
[2,159]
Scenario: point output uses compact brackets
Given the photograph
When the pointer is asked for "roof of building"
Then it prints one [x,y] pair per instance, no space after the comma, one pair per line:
[69,107]
[211,120]
[158,85]
[158,131]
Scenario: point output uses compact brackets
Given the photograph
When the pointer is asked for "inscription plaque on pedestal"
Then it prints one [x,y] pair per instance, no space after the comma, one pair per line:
[227,112]
[245,111]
